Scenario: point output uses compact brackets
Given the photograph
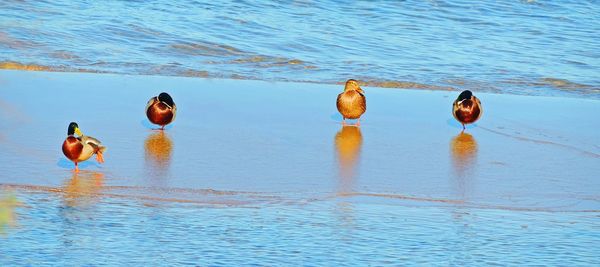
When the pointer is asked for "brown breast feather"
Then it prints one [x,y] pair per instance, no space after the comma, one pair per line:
[72,148]
[467,111]
[159,113]
[351,104]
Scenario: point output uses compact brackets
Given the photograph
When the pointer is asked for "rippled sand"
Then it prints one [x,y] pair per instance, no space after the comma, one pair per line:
[260,172]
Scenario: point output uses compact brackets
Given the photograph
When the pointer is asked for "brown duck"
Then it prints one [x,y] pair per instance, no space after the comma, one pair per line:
[161,110]
[352,102]
[467,108]
[80,148]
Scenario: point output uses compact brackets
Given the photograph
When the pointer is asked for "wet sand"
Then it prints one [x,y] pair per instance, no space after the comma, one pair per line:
[285,141]
[264,173]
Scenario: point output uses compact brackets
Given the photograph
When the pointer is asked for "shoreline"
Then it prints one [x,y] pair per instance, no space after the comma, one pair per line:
[249,199]
[557,90]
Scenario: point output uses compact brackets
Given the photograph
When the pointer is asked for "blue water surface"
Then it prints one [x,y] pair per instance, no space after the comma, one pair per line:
[106,231]
[144,208]
[523,47]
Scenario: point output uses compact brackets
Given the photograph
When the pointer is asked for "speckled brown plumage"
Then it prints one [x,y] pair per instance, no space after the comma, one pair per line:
[352,103]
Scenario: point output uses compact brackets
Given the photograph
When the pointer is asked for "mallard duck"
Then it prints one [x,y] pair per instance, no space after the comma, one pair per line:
[466,108]
[82,147]
[352,102]
[161,110]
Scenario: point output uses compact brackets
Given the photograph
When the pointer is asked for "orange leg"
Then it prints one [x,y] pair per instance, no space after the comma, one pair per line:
[99,157]
[358,122]
[76,167]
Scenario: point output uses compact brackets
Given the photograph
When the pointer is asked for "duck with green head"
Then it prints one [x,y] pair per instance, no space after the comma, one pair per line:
[78,147]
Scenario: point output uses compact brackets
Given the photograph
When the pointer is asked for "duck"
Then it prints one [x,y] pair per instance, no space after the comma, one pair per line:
[352,102]
[78,147]
[161,110]
[466,108]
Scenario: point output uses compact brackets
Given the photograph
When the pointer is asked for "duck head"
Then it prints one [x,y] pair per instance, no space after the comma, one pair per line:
[352,85]
[74,129]
[166,98]
[466,94]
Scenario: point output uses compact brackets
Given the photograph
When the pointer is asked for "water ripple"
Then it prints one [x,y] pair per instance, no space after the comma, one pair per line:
[333,233]
[518,47]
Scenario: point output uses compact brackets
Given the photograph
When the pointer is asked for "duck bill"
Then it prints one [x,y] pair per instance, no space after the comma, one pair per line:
[78,132]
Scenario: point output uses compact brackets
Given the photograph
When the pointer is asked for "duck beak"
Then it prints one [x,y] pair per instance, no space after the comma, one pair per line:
[78,132]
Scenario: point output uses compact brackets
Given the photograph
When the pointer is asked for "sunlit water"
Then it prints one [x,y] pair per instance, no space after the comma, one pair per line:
[342,196]
[234,181]
[522,47]
[95,231]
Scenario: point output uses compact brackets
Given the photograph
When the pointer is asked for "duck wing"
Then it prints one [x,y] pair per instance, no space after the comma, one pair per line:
[95,143]
[478,103]
[151,102]
[174,108]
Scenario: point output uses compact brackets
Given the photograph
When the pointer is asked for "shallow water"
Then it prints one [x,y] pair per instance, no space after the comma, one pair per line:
[256,137]
[521,47]
[112,231]
[249,175]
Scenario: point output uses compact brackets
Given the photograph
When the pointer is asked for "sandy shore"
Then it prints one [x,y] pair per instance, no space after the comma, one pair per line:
[238,141]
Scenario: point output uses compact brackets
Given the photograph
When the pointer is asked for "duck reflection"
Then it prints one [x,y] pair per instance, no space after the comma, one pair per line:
[463,152]
[158,148]
[83,188]
[348,142]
